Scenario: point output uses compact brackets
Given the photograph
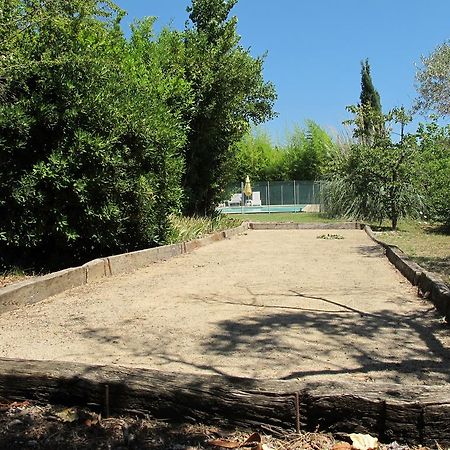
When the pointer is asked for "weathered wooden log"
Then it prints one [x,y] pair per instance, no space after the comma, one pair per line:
[413,414]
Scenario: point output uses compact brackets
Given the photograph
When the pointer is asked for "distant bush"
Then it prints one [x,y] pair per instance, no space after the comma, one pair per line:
[257,157]
[306,155]
[309,151]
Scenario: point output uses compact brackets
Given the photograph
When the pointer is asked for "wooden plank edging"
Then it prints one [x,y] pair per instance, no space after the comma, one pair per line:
[415,414]
[304,226]
[431,285]
[39,288]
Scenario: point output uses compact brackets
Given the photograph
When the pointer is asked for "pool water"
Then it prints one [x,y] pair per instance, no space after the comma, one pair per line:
[260,209]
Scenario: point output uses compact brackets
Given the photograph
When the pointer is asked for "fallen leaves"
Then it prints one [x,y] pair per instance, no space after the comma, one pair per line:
[253,441]
[26,424]
[330,236]
[363,441]
[67,415]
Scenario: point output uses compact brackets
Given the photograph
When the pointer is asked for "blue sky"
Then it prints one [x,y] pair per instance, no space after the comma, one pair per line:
[315,48]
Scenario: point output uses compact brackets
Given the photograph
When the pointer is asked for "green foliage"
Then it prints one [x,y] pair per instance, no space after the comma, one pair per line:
[433,81]
[306,155]
[369,95]
[368,112]
[229,94]
[103,138]
[376,182]
[434,173]
[257,157]
[90,133]
[188,228]
[368,125]
[309,152]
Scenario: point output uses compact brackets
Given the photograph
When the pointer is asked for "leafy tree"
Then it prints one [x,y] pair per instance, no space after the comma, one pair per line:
[434,173]
[258,158]
[369,95]
[90,134]
[433,81]
[229,94]
[305,156]
[378,181]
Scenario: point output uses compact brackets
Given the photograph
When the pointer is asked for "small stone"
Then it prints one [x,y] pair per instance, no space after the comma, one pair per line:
[14,423]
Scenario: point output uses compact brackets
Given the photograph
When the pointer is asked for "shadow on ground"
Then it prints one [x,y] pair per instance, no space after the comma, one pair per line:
[435,264]
[261,334]
[331,339]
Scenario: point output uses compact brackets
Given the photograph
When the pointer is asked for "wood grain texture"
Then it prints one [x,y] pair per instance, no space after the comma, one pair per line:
[413,414]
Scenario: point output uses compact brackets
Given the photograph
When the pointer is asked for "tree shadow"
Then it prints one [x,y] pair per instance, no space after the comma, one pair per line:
[288,341]
[374,251]
[437,229]
[366,339]
[381,228]
[434,264]
[36,427]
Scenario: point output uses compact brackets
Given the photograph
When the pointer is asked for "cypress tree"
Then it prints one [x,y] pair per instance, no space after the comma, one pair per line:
[370,106]
[369,95]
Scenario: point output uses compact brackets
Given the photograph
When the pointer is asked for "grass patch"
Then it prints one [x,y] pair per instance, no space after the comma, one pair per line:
[188,228]
[428,245]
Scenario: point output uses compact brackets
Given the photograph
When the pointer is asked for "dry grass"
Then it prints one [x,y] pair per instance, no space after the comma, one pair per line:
[426,244]
[8,278]
[187,228]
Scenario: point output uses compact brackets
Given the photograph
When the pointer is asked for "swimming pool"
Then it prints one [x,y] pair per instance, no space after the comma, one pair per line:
[260,209]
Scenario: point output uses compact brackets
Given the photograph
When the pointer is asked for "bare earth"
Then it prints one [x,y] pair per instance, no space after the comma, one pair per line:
[267,304]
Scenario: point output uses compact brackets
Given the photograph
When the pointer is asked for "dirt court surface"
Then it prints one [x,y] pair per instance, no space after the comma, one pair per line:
[266,304]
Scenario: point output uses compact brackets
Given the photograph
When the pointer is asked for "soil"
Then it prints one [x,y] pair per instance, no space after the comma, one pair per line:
[28,425]
[6,280]
[265,304]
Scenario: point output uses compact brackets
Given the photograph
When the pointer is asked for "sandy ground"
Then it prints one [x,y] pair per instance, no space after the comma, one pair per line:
[267,304]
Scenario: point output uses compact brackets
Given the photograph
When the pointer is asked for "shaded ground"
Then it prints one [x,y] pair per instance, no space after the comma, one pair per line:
[268,304]
[426,244]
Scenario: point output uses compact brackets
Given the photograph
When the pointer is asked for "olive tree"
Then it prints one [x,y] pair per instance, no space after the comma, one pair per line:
[378,181]
[433,81]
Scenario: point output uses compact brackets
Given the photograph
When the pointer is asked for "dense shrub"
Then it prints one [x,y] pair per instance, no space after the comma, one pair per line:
[377,181]
[434,171]
[90,138]
[309,152]
[255,156]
